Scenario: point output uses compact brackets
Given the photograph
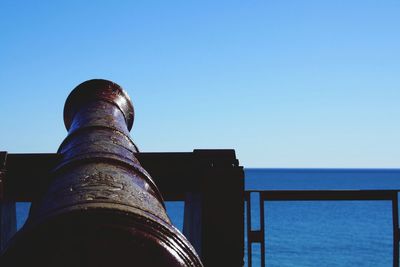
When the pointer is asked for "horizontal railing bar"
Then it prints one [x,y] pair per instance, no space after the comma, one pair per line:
[319,171]
[321,195]
[256,236]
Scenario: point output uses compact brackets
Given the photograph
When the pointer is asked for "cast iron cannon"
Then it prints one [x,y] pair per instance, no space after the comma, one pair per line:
[101,207]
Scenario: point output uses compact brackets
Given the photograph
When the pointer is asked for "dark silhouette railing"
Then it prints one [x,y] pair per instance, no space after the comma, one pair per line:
[257,236]
[211,184]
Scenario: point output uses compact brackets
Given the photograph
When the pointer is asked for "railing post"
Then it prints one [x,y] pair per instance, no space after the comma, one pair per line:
[222,208]
[395,215]
[193,219]
[8,220]
[255,236]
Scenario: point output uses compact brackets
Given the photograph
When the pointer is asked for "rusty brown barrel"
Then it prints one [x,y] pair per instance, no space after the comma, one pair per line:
[101,208]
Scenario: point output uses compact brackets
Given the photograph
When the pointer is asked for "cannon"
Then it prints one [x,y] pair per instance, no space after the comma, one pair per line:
[101,207]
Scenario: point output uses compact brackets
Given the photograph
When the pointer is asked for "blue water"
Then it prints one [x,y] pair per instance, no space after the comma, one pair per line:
[312,233]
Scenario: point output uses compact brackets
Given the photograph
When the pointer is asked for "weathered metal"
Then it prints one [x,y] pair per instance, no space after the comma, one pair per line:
[101,208]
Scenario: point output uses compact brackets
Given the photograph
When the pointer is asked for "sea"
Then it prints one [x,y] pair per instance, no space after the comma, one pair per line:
[314,233]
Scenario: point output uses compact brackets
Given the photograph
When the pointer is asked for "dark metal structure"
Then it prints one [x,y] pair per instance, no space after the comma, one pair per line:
[95,205]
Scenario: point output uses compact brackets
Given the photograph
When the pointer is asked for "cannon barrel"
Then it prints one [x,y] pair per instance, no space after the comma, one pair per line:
[101,208]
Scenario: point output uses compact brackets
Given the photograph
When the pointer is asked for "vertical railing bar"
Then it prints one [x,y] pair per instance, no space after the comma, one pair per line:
[248,215]
[262,230]
[395,215]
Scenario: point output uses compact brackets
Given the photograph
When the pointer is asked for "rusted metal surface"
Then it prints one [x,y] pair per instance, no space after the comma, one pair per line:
[101,208]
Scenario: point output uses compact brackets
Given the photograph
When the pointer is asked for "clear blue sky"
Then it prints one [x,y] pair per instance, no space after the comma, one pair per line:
[285,83]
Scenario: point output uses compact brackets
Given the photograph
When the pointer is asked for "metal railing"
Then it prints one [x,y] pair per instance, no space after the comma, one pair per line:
[258,236]
[213,222]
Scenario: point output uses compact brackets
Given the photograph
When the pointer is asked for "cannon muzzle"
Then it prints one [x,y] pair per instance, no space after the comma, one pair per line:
[101,207]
